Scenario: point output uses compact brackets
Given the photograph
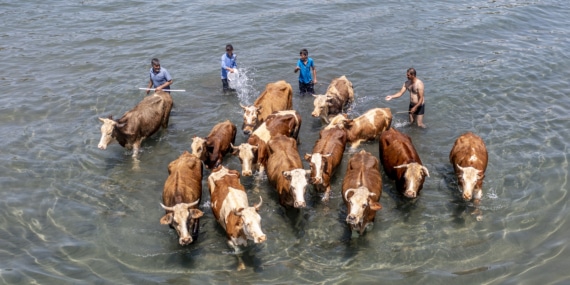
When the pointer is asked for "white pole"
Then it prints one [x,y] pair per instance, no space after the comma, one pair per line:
[169,90]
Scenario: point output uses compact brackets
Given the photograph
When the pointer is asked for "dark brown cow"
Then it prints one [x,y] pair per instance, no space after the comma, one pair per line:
[361,190]
[285,171]
[137,124]
[216,145]
[181,196]
[254,152]
[367,127]
[339,94]
[232,211]
[402,163]
[277,96]
[469,159]
[327,155]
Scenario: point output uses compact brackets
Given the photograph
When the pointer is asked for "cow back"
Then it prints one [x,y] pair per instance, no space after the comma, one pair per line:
[469,150]
[331,141]
[219,141]
[395,149]
[184,182]
[219,183]
[277,96]
[283,156]
[342,92]
[146,117]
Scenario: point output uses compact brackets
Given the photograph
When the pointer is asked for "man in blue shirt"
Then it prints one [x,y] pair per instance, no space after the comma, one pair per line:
[160,79]
[228,65]
[308,74]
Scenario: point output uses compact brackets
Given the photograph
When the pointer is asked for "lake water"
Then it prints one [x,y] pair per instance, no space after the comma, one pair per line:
[71,213]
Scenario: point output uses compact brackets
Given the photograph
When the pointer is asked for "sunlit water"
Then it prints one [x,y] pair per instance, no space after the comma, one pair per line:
[71,213]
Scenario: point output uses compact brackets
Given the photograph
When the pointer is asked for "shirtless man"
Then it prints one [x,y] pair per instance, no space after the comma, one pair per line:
[416,88]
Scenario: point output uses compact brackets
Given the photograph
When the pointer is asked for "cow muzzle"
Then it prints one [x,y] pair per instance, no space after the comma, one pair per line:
[185,240]
[246,173]
[316,180]
[300,204]
[351,219]
[102,146]
[260,239]
[410,194]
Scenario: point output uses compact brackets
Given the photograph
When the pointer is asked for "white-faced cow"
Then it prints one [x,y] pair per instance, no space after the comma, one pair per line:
[181,196]
[326,156]
[253,153]
[361,190]
[469,159]
[338,95]
[232,211]
[277,96]
[368,126]
[402,163]
[285,171]
[137,124]
[216,145]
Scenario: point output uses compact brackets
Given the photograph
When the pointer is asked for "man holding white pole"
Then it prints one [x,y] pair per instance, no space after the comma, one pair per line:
[160,79]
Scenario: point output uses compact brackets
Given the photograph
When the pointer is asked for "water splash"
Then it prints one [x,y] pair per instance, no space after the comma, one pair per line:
[243,84]
[492,194]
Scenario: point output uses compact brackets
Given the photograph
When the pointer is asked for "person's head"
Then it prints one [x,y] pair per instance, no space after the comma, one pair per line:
[411,73]
[229,49]
[155,63]
[304,53]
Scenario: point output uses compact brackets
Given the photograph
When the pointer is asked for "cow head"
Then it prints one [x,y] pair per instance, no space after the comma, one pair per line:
[414,176]
[318,163]
[198,147]
[471,181]
[246,154]
[179,217]
[359,201]
[107,130]
[250,222]
[337,120]
[321,104]
[297,185]
[250,118]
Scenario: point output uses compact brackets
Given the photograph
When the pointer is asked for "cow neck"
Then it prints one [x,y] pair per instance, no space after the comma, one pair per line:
[120,136]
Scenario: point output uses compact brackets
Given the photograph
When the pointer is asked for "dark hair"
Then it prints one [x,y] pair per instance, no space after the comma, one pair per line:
[411,71]
[229,46]
[304,52]
[155,61]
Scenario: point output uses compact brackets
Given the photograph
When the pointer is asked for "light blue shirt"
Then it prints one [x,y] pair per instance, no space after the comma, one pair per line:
[228,62]
[305,74]
[159,78]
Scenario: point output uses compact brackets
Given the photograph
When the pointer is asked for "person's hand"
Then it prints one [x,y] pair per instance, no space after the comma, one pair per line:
[315,81]
[159,88]
[147,92]
[388,98]
[297,69]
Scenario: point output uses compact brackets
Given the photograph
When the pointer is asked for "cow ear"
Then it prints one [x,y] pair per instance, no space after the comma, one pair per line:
[375,206]
[308,157]
[287,174]
[259,109]
[101,119]
[195,213]
[166,219]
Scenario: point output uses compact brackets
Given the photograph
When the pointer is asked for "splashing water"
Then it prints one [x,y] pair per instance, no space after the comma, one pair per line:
[243,84]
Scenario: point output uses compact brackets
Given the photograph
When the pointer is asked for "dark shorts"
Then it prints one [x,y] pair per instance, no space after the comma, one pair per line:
[419,111]
[306,88]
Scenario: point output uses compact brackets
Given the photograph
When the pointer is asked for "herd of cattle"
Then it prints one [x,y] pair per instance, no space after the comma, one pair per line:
[271,149]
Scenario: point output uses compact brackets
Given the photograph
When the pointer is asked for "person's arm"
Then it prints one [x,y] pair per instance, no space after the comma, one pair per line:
[420,99]
[396,95]
[314,73]
[297,68]
[164,85]
[224,66]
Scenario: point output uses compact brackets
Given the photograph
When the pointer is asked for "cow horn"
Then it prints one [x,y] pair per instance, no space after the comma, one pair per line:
[460,168]
[167,208]
[192,204]
[402,166]
[242,106]
[426,170]
[258,204]
[238,212]
[371,194]
[346,193]
[101,119]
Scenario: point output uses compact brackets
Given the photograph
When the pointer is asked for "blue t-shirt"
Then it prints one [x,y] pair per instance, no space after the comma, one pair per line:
[228,62]
[305,74]
[160,78]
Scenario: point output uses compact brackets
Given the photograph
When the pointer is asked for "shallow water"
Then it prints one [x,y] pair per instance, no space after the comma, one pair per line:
[72,213]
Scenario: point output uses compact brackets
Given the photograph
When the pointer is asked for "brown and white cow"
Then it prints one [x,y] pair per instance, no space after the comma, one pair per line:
[285,171]
[368,126]
[138,123]
[338,95]
[253,153]
[277,96]
[469,159]
[231,209]
[216,145]
[402,163]
[326,156]
[361,190]
[181,195]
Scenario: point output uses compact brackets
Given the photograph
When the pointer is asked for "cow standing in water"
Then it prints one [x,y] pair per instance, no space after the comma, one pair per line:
[181,196]
[137,124]
[216,145]
[469,159]
[277,96]
[361,190]
[338,95]
[231,209]
[368,126]
[402,163]
[326,156]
